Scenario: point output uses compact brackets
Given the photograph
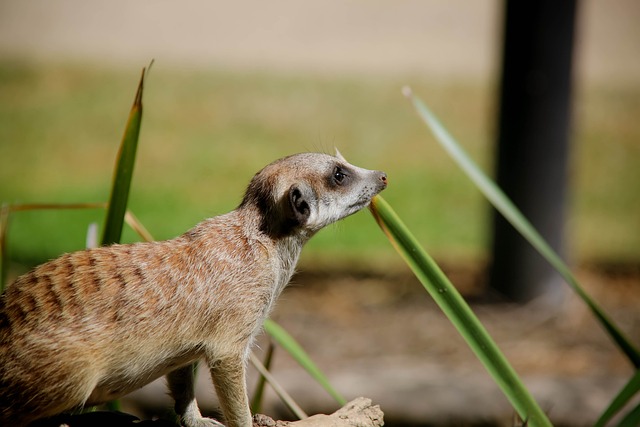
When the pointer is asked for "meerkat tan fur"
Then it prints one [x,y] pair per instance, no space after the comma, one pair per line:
[94,325]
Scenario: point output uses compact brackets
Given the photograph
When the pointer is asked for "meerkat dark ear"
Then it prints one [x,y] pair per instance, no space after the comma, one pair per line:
[300,198]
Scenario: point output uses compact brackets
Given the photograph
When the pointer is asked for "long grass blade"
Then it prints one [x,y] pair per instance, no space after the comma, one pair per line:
[137,226]
[632,419]
[280,391]
[288,343]
[458,312]
[506,207]
[623,397]
[124,171]
[258,396]
[53,206]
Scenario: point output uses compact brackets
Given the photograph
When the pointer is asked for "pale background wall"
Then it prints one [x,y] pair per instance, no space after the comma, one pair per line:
[441,38]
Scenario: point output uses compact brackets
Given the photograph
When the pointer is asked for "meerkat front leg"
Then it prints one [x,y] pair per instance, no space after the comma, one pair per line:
[181,385]
[228,374]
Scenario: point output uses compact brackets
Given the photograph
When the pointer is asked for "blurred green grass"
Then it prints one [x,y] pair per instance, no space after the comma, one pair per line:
[206,132]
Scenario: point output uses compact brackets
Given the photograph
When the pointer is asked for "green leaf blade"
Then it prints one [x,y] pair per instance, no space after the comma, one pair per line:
[256,402]
[506,207]
[459,313]
[288,343]
[123,173]
[632,418]
[622,398]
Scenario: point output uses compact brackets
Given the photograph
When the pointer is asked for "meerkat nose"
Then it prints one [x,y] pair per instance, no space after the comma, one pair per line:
[383,178]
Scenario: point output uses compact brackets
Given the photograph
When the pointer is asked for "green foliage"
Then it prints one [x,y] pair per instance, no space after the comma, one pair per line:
[287,342]
[453,305]
[258,396]
[632,418]
[506,207]
[123,174]
[624,396]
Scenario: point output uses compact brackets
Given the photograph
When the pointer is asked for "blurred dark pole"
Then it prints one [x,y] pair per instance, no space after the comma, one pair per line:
[533,133]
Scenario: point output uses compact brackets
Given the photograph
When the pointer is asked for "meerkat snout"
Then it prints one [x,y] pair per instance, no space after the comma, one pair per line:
[94,325]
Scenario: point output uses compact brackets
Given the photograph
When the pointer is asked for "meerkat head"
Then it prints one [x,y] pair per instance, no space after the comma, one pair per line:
[305,192]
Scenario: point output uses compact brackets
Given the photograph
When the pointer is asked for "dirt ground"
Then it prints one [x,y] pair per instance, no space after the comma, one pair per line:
[381,336]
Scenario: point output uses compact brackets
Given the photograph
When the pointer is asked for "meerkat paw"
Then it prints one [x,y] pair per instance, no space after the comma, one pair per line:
[191,417]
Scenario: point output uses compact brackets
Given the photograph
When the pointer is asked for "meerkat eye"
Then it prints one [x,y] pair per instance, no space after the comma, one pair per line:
[339,175]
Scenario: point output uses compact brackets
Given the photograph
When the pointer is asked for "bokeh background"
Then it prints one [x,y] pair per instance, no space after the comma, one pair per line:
[236,85]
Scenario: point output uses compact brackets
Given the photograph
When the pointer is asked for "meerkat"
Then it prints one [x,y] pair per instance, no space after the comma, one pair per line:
[94,325]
